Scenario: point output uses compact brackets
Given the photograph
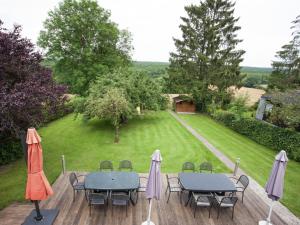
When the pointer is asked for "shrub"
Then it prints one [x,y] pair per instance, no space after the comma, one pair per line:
[225,117]
[274,137]
[10,150]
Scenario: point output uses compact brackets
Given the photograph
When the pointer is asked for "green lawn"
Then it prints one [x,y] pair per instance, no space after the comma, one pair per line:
[256,159]
[85,144]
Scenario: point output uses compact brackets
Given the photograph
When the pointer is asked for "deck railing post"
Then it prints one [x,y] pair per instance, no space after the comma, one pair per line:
[63,164]
[236,166]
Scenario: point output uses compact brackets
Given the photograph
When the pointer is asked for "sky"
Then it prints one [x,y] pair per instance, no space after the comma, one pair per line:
[153,24]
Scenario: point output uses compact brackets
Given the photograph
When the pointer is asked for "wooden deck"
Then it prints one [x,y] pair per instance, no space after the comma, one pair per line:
[173,213]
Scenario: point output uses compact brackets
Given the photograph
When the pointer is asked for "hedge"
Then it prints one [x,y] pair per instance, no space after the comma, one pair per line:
[274,137]
[10,150]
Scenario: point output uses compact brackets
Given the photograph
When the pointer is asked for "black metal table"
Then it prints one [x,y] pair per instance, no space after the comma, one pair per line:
[202,182]
[112,181]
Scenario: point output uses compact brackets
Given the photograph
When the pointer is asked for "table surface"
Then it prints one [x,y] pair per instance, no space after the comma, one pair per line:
[203,182]
[115,180]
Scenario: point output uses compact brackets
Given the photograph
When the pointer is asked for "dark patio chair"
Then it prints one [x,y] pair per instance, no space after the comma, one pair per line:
[241,184]
[125,165]
[206,166]
[173,185]
[188,166]
[120,199]
[98,199]
[203,200]
[225,202]
[142,186]
[76,185]
[106,165]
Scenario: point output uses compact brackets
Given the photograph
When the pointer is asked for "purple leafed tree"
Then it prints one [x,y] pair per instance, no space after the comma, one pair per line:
[28,93]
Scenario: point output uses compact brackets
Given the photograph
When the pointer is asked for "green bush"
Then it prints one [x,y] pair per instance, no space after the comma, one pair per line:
[10,150]
[274,137]
[225,117]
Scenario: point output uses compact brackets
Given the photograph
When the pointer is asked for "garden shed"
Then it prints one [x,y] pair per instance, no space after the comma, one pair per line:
[184,104]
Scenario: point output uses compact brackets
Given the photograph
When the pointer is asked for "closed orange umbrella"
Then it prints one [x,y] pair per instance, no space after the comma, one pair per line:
[38,187]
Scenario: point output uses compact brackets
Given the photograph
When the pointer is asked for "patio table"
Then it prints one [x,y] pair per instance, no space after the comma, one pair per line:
[112,181]
[202,182]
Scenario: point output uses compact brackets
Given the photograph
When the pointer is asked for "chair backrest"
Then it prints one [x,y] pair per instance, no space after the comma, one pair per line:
[125,196]
[143,181]
[244,180]
[188,166]
[229,200]
[203,198]
[125,164]
[106,165]
[73,178]
[206,166]
[96,196]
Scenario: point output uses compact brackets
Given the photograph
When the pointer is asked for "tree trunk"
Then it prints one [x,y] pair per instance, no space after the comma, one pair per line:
[117,134]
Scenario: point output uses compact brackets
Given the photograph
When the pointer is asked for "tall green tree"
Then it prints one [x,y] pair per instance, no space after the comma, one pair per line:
[207,60]
[286,70]
[81,42]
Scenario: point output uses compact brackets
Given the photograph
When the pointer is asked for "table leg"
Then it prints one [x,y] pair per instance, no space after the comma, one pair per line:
[189,198]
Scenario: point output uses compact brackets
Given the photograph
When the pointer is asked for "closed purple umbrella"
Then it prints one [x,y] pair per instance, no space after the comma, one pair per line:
[153,188]
[274,186]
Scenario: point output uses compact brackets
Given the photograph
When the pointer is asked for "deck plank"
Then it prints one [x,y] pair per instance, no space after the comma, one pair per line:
[173,213]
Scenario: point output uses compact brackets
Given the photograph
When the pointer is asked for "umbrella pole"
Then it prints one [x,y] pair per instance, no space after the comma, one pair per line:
[270,212]
[39,216]
[149,213]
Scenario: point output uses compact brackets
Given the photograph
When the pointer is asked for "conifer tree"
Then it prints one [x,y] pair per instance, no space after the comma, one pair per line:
[207,60]
[286,70]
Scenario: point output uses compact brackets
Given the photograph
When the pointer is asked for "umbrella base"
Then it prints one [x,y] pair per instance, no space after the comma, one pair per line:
[146,223]
[264,222]
[49,216]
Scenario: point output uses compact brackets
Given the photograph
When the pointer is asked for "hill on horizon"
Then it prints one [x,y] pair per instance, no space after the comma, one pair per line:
[159,67]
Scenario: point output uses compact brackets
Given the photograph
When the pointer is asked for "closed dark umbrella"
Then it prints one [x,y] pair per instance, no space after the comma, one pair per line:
[153,189]
[275,184]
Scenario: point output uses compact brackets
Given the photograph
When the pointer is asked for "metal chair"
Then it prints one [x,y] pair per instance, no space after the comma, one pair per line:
[125,165]
[203,200]
[120,199]
[106,165]
[225,202]
[188,166]
[76,185]
[241,184]
[206,166]
[142,186]
[173,185]
[98,199]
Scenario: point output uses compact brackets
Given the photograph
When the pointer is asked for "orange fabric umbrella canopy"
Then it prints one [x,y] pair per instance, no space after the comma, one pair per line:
[38,187]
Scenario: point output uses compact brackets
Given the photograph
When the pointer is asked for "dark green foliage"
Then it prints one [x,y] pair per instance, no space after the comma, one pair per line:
[286,70]
[206,56]
[286,109]
[254,80]
[153,69]
[256,70]
[264,133]
[10,150]
[81,43]
[140,89]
